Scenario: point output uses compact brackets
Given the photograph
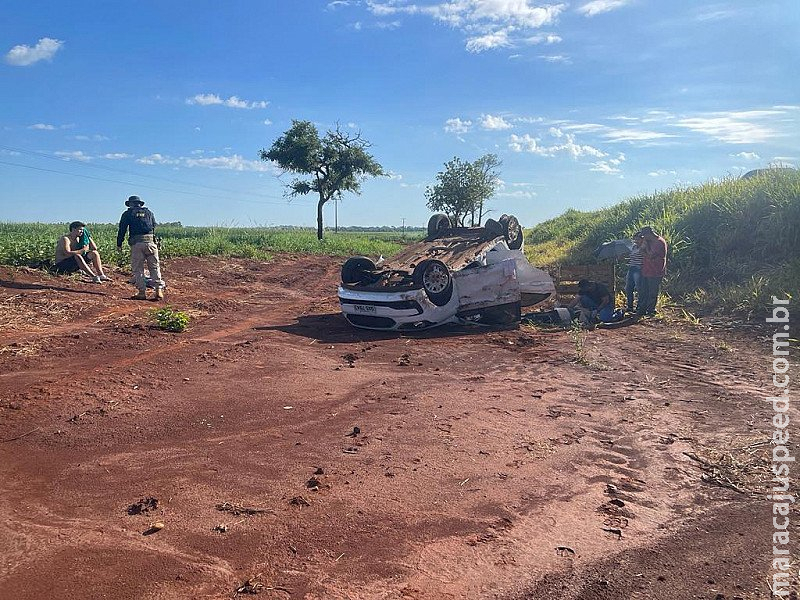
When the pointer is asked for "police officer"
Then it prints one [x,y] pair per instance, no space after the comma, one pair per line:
[142,226]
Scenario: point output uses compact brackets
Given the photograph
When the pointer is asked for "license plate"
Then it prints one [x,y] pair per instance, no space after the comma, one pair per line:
[365,308]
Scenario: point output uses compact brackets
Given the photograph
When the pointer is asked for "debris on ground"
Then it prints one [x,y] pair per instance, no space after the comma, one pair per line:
[565,551]
[154,528]
[354,433]
[744,469]
[143,506]
[252,586]
[238,509]
[299,501]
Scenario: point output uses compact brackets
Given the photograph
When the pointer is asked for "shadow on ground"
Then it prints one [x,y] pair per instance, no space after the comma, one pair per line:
[16,285]
[333,328]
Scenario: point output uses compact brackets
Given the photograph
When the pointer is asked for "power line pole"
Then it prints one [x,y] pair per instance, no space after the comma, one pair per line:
[404,228]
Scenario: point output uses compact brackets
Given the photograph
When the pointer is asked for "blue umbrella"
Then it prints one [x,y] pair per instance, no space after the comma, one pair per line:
[614,249]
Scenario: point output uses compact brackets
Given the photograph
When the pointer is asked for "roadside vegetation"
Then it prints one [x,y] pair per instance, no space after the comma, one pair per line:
[732,243]
[33,244]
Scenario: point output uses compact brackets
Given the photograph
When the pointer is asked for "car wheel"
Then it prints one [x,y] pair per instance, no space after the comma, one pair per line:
[437,223]
[357,269]
[493,229]
[512,231]
[434,277]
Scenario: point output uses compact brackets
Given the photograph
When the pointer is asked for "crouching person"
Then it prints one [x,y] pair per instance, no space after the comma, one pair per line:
[140,223]
[76,250]
[594,302]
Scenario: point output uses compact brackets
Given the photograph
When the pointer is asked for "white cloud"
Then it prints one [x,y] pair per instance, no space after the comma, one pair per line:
[117,155]
[494,123]
[394,176]
[497,39]
[584,127]
[555,58]
[267,122]
[661,173]
[156,159]
[517,194]
[634,135]
[456,125]
[746,155]
[715,15]
[234,162]
[543,38]
[487,24]
[43,127]
[76,155]
[23,55]
[524,143]
[596,7]
[529,119]
[231,102]
[733,127]
[91,138]
[527,143]
[338,4]
[610,166]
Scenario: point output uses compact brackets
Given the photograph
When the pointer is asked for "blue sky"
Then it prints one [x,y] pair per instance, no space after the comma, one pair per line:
[586,103]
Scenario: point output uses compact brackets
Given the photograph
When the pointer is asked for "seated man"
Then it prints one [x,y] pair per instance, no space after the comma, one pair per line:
[593,297]
[74,249]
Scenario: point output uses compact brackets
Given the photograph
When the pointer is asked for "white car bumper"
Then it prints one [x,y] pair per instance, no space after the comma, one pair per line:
[408,311]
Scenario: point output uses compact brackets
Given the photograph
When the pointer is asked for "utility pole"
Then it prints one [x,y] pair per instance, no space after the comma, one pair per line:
[404,228]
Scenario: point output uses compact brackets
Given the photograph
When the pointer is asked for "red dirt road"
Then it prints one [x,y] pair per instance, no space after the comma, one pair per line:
[489,464]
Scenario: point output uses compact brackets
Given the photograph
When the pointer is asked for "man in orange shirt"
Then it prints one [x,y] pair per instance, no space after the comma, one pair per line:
[654,267]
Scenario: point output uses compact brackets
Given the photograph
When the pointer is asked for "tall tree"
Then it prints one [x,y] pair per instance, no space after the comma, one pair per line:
[463,187]
[337,163]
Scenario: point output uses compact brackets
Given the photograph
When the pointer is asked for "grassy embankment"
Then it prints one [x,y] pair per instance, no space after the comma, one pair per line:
[33,244]
[732,243]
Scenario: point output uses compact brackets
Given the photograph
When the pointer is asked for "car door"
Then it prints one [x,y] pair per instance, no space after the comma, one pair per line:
[484,286]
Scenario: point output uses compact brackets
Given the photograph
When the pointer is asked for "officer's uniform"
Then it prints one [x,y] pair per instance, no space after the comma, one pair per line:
[142,224]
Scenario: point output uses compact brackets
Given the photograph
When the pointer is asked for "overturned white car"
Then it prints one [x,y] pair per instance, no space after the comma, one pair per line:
[456,274]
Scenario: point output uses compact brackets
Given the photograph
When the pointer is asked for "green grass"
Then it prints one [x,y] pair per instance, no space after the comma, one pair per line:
[733,243]
[33,244]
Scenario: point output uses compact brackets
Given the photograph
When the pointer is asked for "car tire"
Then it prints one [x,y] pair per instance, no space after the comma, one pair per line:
[434,277]
[512,231]
[357,269]
[437,223]
[493,229]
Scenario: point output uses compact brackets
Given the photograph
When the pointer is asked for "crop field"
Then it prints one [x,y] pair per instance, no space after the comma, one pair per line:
[732,243]
[33,244]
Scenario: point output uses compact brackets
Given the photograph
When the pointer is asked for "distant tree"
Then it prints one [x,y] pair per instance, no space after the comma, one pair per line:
[463,187]
[337,163]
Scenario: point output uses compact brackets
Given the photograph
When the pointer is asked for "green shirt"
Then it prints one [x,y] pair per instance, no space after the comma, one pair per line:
[84,239]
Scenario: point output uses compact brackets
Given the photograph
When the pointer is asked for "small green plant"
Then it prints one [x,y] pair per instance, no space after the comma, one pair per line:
[578,334]
[169,319]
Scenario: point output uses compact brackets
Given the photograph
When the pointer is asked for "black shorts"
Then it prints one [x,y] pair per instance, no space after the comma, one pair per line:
[68,265]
